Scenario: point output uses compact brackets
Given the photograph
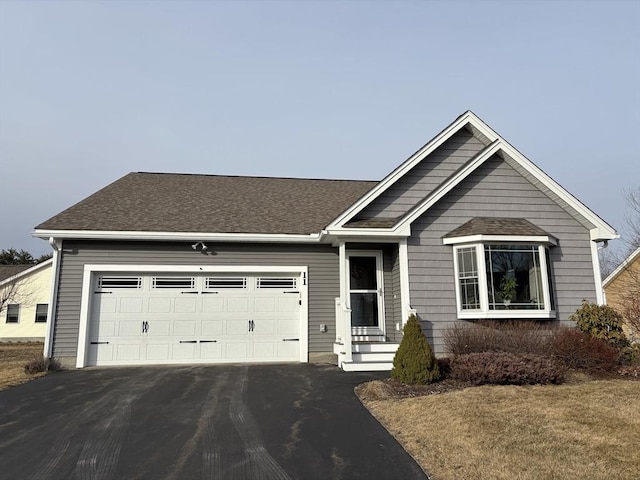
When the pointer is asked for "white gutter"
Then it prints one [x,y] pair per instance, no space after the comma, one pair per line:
[177,236]
[53,298]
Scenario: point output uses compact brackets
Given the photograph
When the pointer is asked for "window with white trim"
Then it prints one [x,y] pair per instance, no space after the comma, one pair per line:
[226,282]
[173,282]
[13,313]
[276,282]
[41,312]
[106,281]
[500,280]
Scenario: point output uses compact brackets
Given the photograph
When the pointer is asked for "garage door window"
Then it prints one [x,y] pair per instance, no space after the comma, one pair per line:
[276,282]
[226,282]
[120,282]
[174,282]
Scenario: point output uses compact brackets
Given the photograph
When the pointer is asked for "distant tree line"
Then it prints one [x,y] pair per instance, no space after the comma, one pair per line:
[12,256]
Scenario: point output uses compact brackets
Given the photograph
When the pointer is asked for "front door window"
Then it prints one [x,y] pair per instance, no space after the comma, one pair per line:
[364,291]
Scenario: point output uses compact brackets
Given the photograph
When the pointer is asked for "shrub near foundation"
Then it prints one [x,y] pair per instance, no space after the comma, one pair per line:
[414,362]
[578,350]
[601,321]
[502,368]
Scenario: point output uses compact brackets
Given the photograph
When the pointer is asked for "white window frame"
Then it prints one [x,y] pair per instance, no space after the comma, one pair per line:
[483,288]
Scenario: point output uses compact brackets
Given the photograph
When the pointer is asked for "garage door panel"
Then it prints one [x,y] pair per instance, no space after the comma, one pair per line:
[265,304]
[288,327]
[105,328]
[264,350]
[157,352]
[232,318]
[211,351]
[158,328]
[130,328]
[186,305]
[288,349]
[212,327]
[238,304]
[236,350]
[211,304]
[131,305]
[289,304]
[264,326]
[237,327]
[184,351]
[128,353]
[184,328]
[160,305]
[104,304]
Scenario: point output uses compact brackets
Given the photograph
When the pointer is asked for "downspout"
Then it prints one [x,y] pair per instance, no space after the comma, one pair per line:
[53,298]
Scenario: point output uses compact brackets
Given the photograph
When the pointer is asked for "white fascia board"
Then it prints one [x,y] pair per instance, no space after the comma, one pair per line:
[417,157]
[178,236]
[603,230]
[547,239]
[621,267]
[28,271]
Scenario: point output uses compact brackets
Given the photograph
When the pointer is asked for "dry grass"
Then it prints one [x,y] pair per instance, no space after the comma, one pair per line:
[586,430]
[13,357]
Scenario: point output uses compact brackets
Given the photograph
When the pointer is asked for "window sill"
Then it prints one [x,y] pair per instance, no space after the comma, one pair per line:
[506,314]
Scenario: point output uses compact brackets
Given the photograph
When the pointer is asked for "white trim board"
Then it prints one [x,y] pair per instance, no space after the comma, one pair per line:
[91,269]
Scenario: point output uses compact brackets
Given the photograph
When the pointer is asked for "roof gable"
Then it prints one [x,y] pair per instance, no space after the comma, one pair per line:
[600,230]
[630,260]
[11,273]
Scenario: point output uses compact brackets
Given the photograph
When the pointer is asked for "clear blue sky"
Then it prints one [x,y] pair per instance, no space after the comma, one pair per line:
[90,91]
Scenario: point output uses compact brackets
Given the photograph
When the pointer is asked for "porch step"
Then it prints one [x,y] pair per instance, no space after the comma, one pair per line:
[366,366]
[367,356]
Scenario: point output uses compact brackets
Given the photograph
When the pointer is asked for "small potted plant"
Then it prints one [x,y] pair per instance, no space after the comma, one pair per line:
[508,289]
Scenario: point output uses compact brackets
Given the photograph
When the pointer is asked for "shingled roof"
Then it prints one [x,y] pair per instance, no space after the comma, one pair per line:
[164,202]
[497,226]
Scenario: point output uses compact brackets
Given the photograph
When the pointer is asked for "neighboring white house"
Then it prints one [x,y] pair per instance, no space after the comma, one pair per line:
[24,296]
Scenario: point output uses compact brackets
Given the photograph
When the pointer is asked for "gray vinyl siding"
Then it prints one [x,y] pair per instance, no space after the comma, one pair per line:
[394,335]
[425,177]
[321,260]
[495,189]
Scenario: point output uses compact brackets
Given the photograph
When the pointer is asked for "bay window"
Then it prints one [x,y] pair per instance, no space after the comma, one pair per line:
[503,280]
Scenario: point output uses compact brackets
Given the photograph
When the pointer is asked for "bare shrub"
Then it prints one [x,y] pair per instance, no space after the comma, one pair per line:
[39,365]
[503,368]
[510,336]
[575,349]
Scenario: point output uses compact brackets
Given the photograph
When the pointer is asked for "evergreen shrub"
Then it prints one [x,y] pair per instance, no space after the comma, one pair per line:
[414,362]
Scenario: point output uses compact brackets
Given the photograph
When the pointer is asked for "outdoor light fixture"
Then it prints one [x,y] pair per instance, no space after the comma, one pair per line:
[195,246]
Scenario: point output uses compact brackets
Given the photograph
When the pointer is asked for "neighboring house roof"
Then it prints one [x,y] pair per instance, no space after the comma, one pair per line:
[497,226]
[635,255]
[11,273]
[163,202]
[7,271]
[495,144]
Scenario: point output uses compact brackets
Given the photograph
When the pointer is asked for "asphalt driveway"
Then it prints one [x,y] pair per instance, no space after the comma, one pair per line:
[244,422]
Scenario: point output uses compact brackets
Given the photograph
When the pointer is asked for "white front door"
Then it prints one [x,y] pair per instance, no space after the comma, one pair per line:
[365,276]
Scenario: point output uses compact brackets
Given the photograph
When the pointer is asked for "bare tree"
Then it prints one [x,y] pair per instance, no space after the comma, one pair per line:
[632,220]
[610,258]
[18,290]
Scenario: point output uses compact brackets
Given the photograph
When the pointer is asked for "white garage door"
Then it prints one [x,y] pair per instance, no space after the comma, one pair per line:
[147,319]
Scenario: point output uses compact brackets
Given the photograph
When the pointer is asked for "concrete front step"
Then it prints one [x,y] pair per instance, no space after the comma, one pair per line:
[382,347]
